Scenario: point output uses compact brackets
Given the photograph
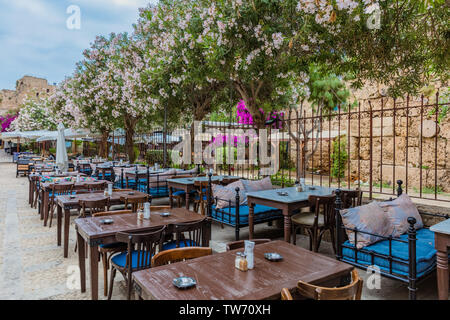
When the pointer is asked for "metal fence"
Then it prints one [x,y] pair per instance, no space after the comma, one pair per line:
[369,146]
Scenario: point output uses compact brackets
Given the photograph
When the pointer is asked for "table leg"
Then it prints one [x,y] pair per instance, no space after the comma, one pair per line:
[59,226]
[66,232]
[45,208]
[170,197]
[287,227]
[93,256]
[442,273]
[82,261]
[251,214]
[187,199]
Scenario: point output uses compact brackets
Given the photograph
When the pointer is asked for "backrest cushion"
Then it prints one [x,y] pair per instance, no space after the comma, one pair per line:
[257,185]
[398,211]
[158,180]
[227,193]
[368,218]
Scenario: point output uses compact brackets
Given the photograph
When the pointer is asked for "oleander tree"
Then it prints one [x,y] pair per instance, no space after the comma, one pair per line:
[34,114]
[180,71]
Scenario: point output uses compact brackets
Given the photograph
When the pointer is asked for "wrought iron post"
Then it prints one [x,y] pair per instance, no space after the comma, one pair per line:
[209,208]
[338,207]
[237,214]
[412,258]
[399,189]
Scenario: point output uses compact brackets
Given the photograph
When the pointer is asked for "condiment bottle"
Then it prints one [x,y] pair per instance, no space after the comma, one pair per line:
[140,215]
[241,262]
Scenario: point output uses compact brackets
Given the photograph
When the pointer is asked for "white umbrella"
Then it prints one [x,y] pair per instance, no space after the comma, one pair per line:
[62,161]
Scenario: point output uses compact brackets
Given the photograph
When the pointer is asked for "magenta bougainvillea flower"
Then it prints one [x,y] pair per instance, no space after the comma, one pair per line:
[5,122]
[243,116]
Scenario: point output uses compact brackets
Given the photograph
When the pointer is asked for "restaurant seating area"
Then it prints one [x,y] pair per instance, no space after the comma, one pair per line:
[204,219]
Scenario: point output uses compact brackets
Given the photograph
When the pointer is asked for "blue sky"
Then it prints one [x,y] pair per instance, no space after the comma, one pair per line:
[35,40]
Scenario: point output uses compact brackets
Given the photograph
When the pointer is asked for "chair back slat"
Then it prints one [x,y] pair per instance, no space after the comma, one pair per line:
[324,205]
[351,198]
[144,246]
[179,254]
[94,206]
[192,233]
[350,292]
[241,243]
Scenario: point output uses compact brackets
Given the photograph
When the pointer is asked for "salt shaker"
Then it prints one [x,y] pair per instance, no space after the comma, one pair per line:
[241,261]
[140,215]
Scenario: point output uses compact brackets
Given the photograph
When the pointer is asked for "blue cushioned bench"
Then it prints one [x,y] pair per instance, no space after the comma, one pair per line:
[237,216]
[409,258]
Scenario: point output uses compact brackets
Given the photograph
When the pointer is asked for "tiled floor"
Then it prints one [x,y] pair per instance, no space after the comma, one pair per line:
[32,265]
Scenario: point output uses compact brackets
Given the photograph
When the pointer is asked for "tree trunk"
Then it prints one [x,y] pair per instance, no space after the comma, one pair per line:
[130,125]
[104,144]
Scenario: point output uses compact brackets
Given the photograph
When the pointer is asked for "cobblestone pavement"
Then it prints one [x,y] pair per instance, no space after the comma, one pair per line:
[32,265]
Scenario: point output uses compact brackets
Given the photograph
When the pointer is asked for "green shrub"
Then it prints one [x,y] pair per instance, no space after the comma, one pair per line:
[339,157]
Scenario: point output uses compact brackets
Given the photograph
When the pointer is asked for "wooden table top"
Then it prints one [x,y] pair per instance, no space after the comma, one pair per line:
[442,227]
[47,185]
[292,194]
[92,228]
[218,279]
[67,200]
[188,181]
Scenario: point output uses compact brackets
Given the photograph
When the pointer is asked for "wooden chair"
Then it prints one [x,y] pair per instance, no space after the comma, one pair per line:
[190,234]
[351,198]
[97,186]
[286,294]
[94,206]
[241,243]
[179,254]
[136,202]
[159,208]
[316,222]
[22,168]
[106,174]
[110,249]
[350,292]
[179,195]
[57,190]
[140,250]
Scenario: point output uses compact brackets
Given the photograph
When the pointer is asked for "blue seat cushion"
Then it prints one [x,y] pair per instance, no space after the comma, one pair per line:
[173,244]
[425,254]
[50,194]
[178,193]
[203,197]
[228,215]
[160,191]
[121,259]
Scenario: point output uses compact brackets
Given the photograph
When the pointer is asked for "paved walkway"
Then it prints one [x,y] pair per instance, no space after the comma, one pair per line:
[32,265]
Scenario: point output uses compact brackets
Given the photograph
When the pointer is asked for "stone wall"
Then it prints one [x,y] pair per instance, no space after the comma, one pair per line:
[401,143]
[26,86]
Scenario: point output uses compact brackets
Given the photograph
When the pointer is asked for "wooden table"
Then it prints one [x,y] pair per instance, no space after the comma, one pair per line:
[442,243]
[65,203]
[287,204]
[188,184]
[46,187]
[92,232]
[218,279]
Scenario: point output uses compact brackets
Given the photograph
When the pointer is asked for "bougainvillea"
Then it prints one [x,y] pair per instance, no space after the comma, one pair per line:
[6,122]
